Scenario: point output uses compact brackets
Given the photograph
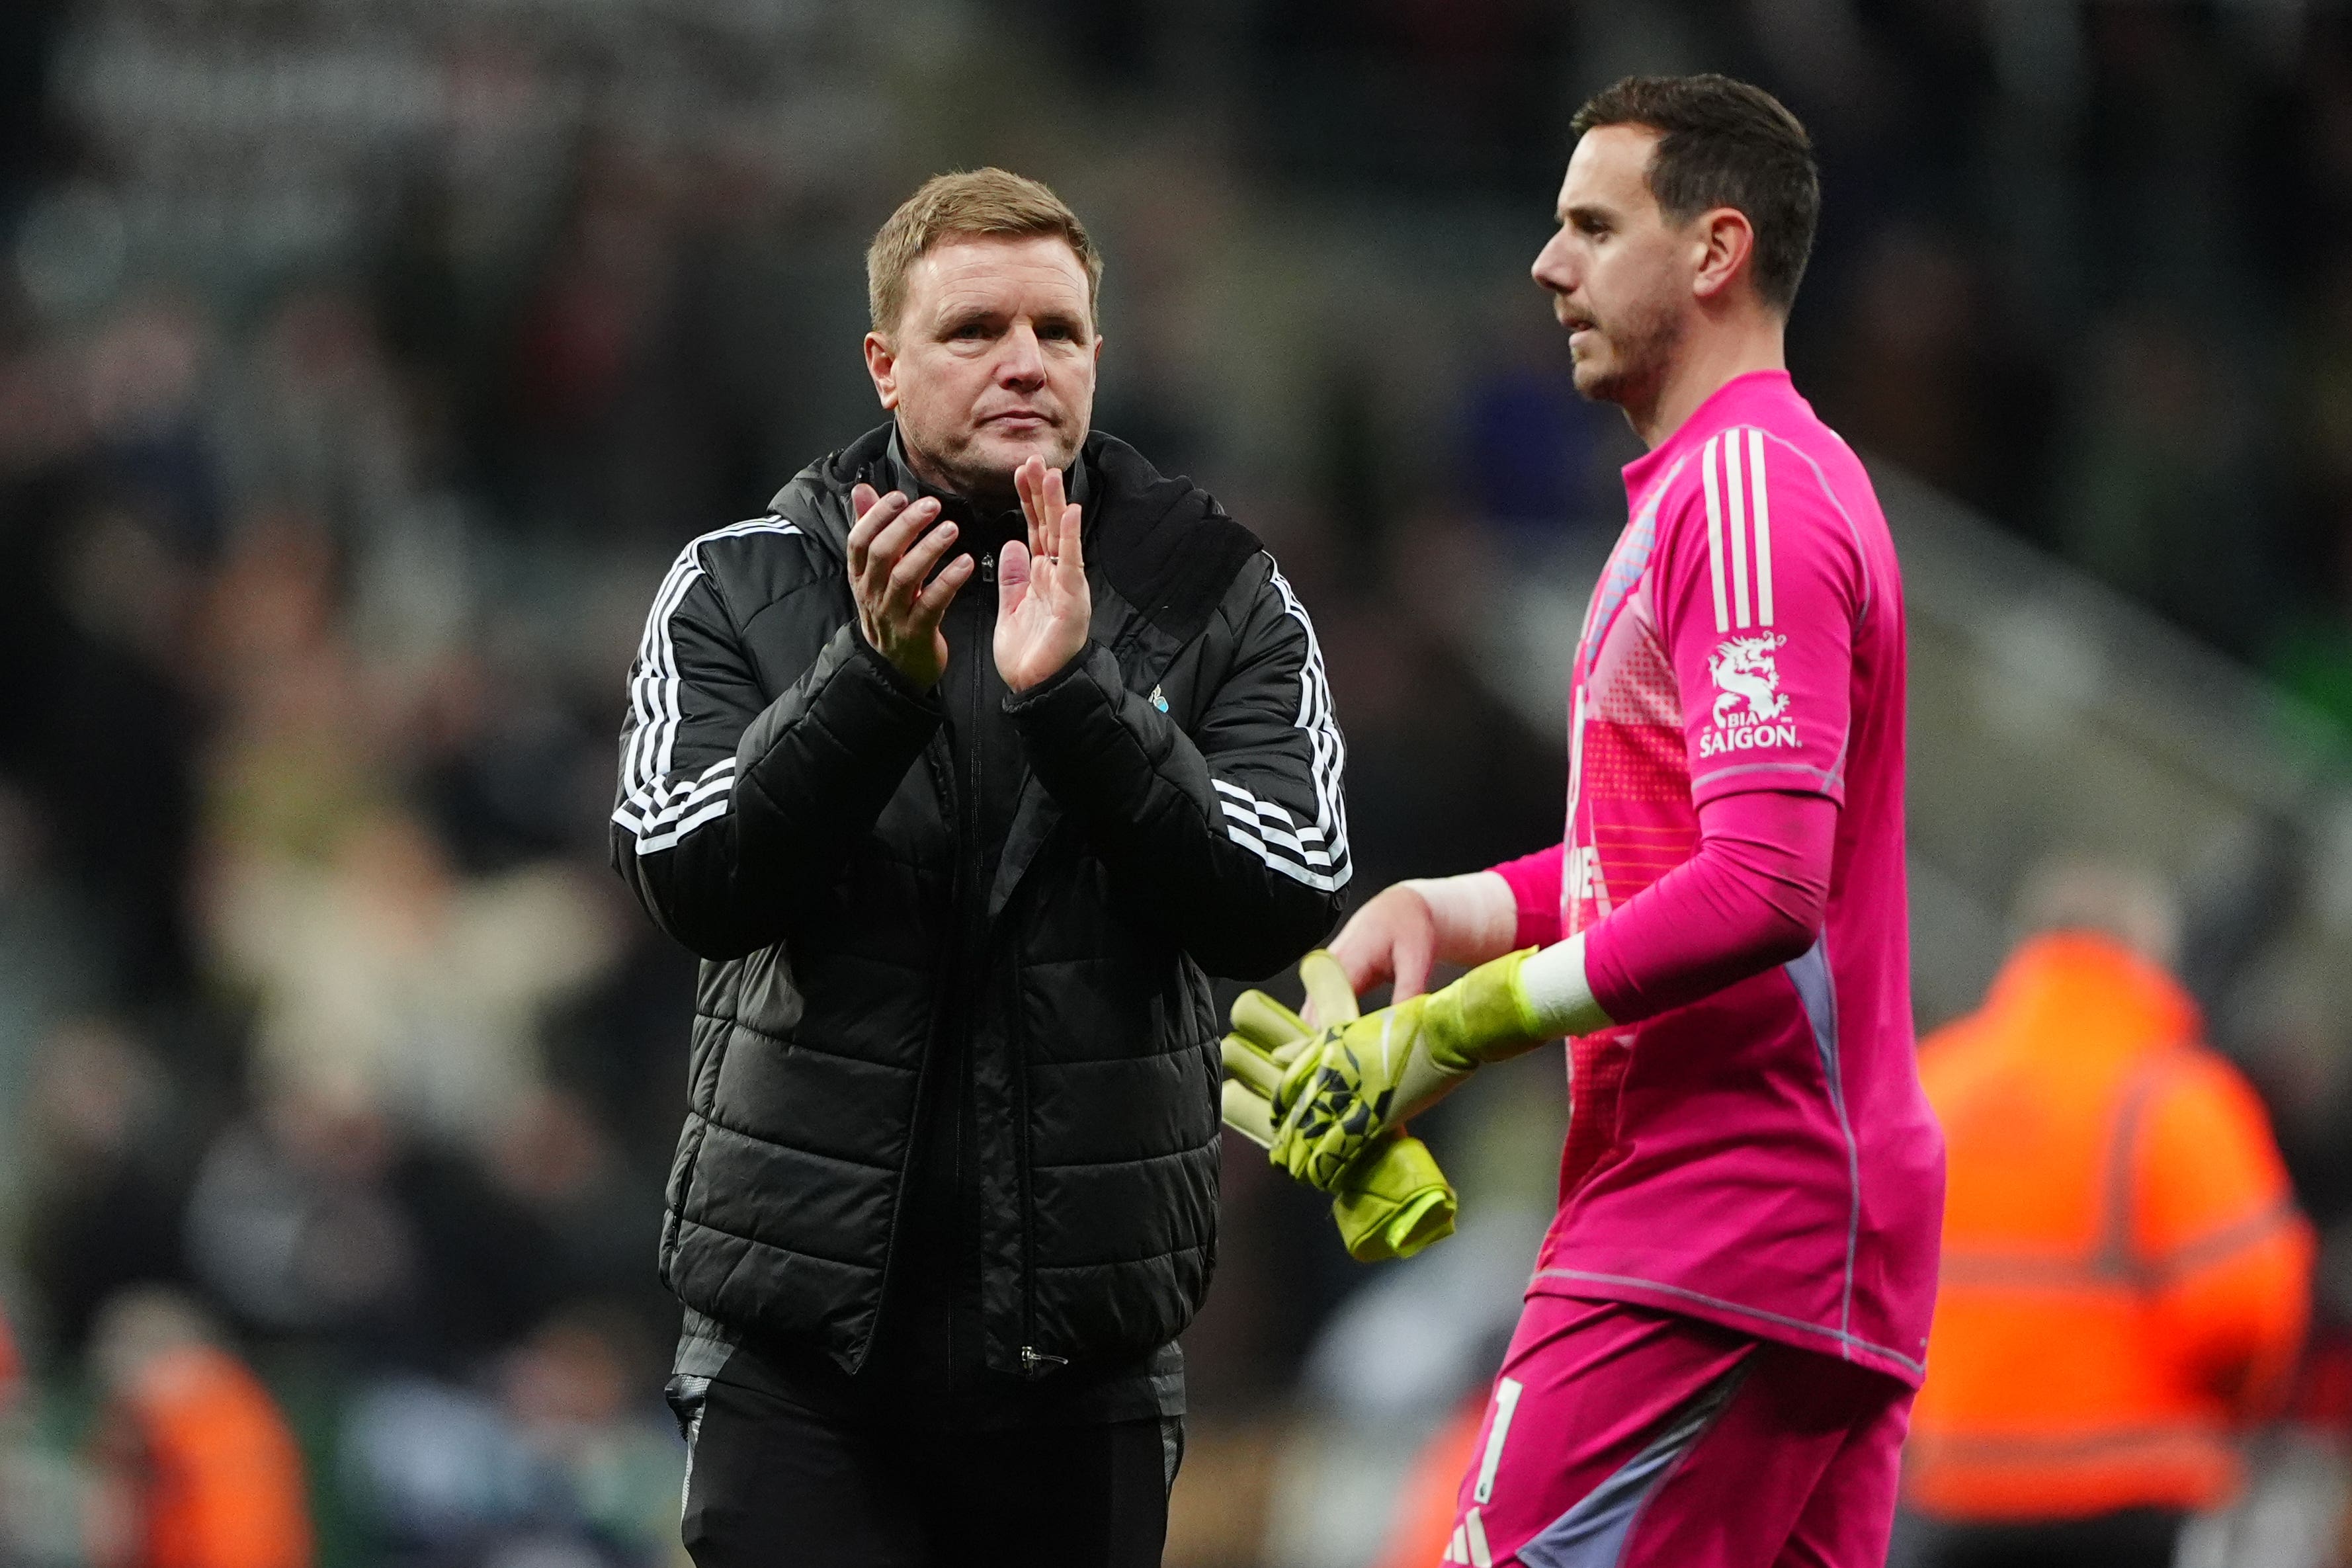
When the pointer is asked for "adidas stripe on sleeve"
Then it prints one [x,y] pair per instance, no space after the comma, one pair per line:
[662,800]
[1312,853]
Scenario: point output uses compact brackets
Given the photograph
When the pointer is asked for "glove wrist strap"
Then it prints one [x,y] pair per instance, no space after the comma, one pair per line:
[1482,1017]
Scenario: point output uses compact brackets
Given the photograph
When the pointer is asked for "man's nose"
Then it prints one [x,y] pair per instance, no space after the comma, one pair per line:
[1547,271]
[1023,364]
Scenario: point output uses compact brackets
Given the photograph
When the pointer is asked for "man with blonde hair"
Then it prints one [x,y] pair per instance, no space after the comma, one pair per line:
[959,859]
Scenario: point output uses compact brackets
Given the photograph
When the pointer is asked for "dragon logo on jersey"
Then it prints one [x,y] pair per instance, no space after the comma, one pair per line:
[1749,707]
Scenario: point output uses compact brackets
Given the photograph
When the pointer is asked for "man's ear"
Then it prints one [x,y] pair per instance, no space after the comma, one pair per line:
[1726,243]
[883,366]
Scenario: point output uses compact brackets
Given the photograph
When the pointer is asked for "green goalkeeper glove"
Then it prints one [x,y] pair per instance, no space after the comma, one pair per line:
[1360,1077]
[1392,1200]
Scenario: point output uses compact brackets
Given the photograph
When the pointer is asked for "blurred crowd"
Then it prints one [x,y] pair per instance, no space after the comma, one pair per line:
[363,362]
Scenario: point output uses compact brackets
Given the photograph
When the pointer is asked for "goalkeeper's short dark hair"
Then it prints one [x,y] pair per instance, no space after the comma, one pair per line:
[1724,143]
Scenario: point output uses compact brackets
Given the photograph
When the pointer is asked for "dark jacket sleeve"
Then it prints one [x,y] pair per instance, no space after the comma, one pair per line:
[1238,839]
[732,809]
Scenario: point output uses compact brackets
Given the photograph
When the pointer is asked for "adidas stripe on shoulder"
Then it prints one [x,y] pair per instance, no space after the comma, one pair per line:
[657,810]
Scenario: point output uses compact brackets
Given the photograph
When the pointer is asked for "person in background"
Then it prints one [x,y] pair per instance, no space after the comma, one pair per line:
[2126,1278]
[196,1465]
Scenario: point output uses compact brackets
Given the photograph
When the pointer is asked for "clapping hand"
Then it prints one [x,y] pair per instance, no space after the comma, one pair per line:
[1043,607]
[899,602]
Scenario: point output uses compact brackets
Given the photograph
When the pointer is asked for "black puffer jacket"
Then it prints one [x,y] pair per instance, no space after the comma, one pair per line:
[789,810]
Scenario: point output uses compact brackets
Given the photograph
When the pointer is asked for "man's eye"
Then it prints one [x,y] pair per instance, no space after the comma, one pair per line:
[970,329]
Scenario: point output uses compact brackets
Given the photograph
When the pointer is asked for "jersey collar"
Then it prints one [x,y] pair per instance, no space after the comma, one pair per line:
[1711,415]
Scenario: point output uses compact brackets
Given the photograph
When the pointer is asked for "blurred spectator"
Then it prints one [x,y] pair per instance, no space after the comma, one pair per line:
[1928,371]
[293,760]
[196,1467]
[1538,460]
[559,1169]
[316,421]
[324,1221]
[50,967]
[119,726]
[564,1465]
[2126,1278]
[2165,484]
[292,1223]
[387,979]
[103,1181]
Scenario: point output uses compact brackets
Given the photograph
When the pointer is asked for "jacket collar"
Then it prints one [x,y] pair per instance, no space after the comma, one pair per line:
[1726,405]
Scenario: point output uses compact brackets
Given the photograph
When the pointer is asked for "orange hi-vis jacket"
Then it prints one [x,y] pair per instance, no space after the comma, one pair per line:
[223,1484]
[2126,1279]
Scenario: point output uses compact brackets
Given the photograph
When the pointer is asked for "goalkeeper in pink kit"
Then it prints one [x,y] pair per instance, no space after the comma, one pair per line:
[1715,1362]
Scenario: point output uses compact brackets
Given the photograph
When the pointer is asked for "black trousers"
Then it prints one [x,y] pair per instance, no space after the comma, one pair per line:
[2130,1538]
[774,1485]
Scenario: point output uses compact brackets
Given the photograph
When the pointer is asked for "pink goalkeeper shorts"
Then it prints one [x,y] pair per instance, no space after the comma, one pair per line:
[1618,1437]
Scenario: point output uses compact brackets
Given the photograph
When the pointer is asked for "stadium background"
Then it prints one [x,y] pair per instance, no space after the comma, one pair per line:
[363,361]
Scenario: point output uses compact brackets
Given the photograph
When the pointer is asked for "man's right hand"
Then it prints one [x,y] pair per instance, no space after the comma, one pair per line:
[1393,937]
[891,559]
[1467,920]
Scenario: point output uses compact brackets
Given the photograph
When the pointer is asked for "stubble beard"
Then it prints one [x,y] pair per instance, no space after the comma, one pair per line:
[1644,345]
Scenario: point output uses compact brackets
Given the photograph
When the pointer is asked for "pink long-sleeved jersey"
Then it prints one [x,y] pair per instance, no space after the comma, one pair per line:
[1762,1157]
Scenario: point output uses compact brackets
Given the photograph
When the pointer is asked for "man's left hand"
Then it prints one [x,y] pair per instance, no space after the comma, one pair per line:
[1042,606]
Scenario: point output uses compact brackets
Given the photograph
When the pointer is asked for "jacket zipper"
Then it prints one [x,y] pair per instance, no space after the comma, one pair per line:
[1034,1362]
[981,947]
[942,1001]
